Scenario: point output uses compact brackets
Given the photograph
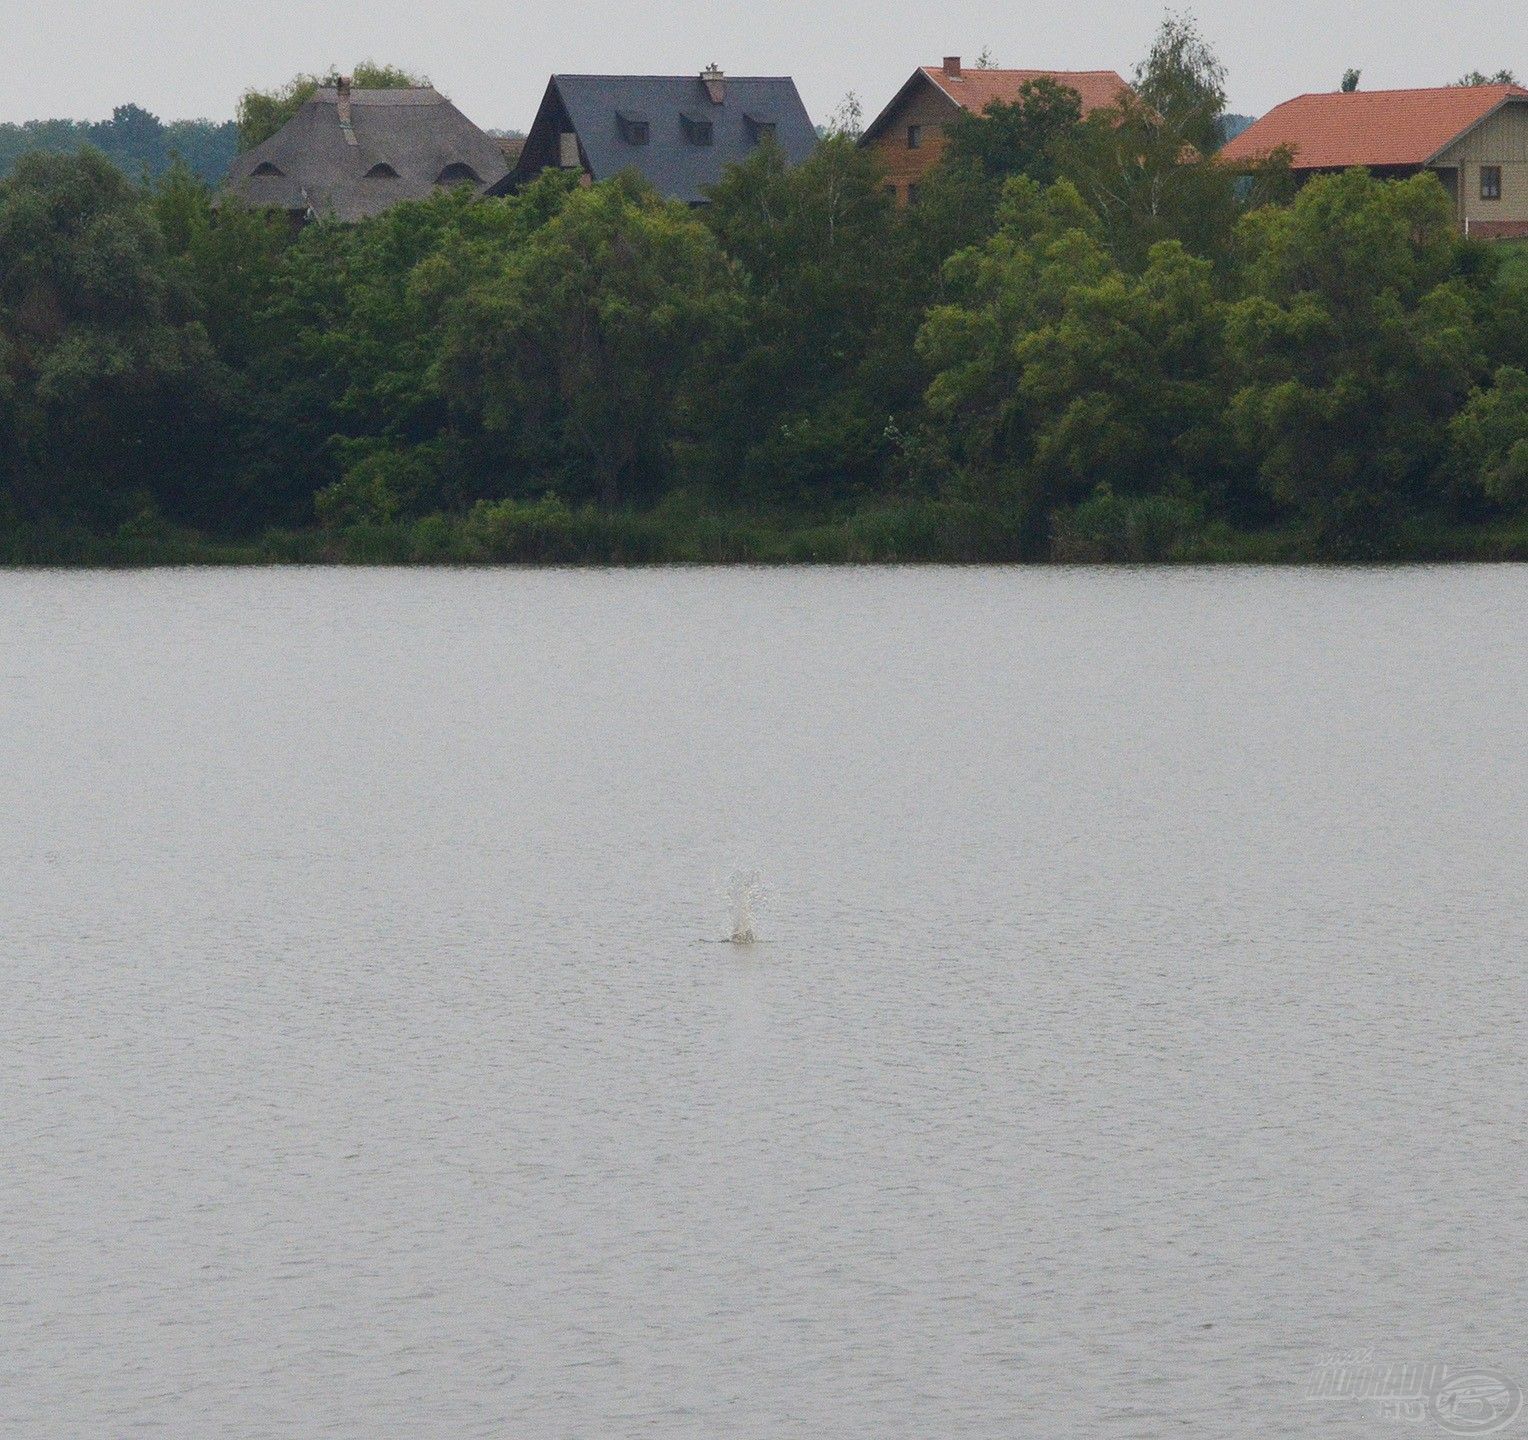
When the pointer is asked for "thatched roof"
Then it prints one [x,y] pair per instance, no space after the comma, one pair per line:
[351,153]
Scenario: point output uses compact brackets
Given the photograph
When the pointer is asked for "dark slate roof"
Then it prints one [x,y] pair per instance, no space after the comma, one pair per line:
[418,134]
[603,107]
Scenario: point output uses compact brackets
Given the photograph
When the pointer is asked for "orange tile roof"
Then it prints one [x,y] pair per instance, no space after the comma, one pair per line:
[1370,127]
[977,89]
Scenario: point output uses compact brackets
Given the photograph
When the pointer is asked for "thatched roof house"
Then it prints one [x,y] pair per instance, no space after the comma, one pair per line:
[349,154]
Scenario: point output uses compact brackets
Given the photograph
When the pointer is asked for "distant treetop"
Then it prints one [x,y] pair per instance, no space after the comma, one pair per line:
[263,112]
[1475,77]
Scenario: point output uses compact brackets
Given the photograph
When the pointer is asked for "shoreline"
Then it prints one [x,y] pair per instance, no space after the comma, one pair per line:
[536,536]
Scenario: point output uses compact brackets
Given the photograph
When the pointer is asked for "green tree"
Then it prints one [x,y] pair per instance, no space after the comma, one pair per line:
[262,113]
[592,350]
[109,378]
[1489,440]
[1350,79]
[1146,164]
[1356,343]
[1475,77]
[1027,136]
[1032,136]
[825,350]
[1183,82]
[337,348]
[134,140]
[1064,372]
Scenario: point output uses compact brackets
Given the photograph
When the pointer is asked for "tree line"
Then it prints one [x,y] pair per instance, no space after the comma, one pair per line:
[138,142]
[1086,341]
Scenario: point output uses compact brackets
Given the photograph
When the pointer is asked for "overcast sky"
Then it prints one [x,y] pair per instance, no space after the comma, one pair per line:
[187,58]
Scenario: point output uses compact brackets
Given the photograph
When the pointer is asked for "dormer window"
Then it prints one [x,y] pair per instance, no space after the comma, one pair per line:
[266,168]
[697,131]
[760,128]
[635,129]
[382,171]
[458,174]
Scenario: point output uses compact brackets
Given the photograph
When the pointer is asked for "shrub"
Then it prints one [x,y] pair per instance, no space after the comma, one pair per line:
[1121,528]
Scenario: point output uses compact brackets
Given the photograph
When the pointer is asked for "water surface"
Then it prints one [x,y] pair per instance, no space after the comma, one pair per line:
[1136,1019]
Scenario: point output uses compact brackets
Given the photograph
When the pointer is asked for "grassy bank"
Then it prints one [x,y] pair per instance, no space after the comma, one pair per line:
[547,532]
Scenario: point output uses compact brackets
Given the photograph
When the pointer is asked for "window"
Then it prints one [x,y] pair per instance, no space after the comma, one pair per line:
[266,168]
[760,129]
[912,194]
[699,131]
[1490,182]
[382,171]
[635,129]
[458,174]
[567,150]
[891,192]
[914,137]
[639,132]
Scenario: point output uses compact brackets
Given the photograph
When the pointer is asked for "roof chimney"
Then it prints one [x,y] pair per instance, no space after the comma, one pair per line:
[342,104]
[716,84]
[952,66]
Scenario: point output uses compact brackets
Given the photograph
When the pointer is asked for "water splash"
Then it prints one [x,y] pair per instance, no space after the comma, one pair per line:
[743,891]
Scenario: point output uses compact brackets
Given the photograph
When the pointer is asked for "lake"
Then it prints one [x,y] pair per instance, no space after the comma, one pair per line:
[1135,1023]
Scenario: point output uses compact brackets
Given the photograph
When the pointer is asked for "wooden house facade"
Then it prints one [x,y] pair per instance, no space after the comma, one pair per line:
[1474,138]
[908,135]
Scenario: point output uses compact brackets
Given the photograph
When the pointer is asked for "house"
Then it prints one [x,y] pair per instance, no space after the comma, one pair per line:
[679,132]
[908,134]
[1474,138]
[349,154]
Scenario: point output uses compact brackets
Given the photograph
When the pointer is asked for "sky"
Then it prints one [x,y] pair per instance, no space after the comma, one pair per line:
[189,58]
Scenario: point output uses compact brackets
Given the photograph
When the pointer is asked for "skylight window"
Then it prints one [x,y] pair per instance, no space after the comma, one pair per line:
[266,168]
[382,171]
[458,174]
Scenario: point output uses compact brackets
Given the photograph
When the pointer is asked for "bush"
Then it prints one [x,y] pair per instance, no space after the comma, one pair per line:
[1121,528]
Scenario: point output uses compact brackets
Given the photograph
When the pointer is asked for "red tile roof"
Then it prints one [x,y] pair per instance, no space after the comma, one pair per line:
[977,89]
[1370,127]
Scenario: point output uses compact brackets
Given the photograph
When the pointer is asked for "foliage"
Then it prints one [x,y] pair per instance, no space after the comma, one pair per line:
[1065,368]
[262,113]
[847,119]
[1490,440]
[138,143]
[1090,340]
[1147,166]
[825,338]
[1031,136]
[1027,136]
[584,353]
[108,375]
[1501,77]
[1356,343]
[1122,528]
[1183,83]
[1350,79]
